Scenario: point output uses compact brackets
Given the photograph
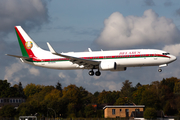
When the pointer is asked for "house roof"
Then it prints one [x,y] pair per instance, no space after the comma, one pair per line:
[124,106]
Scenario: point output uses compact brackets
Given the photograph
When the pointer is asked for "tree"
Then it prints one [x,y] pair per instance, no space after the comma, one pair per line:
[20,90]
[178,105]
[40,101]
[126,93]
[71,110]
[170,82]
[36,102]
[122,101]
[96,94]
[138,85]
[4,88]
[94,97]
[31,89]
[85,96]
[53,95]
[25,109]
[72,93]
[177,88]
[7,91]
[45,90]
[137,95]
[150,98]
[13,92]
[89,111]
[75,101]
[60,106]
[107,97]
[103,97]
[59,86]
[7,111]
[169,109]
[150,113]
[126,90]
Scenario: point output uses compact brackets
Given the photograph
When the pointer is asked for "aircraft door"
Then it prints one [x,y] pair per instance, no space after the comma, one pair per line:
[155,56]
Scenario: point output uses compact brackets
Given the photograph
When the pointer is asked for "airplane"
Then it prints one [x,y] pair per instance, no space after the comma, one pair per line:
[112,60]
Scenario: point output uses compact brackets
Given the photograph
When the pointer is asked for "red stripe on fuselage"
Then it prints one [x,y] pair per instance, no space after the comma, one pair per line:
[102,57]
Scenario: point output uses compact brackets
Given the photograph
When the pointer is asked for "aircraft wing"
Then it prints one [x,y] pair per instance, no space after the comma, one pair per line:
[75,60]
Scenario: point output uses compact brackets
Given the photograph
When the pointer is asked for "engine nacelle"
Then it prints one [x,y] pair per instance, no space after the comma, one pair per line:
[112,66]
[107,65]
[120,68]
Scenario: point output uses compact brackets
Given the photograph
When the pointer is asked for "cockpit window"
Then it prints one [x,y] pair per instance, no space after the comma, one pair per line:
[166,53]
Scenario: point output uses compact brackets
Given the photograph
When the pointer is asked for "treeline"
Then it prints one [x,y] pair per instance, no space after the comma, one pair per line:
[76,102]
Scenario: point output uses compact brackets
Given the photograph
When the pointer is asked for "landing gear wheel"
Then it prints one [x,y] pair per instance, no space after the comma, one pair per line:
[97,73]
[91,73]
[159,70]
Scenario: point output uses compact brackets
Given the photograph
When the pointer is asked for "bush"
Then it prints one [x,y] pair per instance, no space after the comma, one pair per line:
[150,113]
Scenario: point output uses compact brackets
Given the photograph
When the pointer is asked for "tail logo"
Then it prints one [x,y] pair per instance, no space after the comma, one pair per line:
[29,44]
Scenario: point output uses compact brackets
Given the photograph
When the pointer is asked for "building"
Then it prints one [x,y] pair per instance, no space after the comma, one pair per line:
[11,101]
[117,111]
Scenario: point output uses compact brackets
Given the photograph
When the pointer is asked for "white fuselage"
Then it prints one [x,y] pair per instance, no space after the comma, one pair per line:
[123,58]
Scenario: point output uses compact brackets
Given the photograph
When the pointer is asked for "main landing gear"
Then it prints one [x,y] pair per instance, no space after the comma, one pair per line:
[97,73]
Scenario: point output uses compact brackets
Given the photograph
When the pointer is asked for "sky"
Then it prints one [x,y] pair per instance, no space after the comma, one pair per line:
[97,24]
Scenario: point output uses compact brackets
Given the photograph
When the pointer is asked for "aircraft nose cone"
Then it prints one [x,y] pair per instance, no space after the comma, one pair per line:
[173,58]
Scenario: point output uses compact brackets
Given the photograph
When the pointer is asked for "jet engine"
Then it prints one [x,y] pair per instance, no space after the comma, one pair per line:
[112,66]
[106,65]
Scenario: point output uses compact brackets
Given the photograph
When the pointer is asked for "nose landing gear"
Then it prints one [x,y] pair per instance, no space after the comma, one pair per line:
[97,73]
[159,70]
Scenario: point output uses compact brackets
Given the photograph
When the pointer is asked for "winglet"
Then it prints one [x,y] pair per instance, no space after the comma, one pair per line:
[51,49]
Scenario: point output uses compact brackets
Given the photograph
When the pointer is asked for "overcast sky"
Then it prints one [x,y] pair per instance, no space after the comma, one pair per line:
[99,24]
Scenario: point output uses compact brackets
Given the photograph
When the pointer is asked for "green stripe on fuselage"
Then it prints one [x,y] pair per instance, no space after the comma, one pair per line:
[94,59]
[23,50]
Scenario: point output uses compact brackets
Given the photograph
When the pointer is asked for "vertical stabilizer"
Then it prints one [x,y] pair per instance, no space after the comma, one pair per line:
[27,45]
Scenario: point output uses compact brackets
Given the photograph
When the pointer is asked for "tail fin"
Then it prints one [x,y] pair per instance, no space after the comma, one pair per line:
[27,45]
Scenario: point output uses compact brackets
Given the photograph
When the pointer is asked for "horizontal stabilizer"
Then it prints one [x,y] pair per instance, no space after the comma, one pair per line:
[19,56]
